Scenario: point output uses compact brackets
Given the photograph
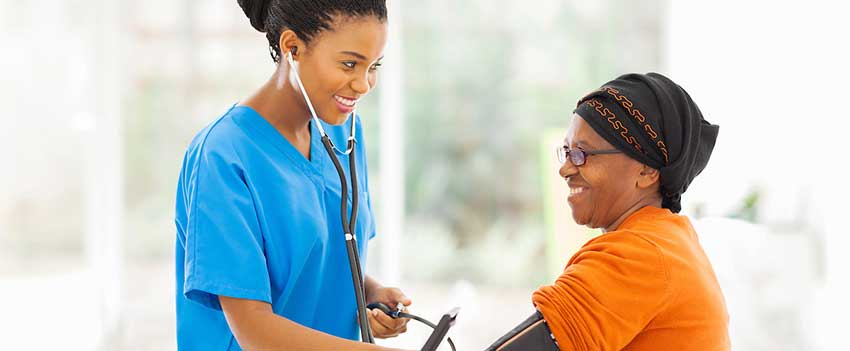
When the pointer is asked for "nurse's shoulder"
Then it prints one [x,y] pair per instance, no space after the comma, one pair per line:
[219,138]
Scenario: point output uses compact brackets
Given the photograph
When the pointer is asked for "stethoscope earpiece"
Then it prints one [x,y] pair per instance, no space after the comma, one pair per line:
[290,56]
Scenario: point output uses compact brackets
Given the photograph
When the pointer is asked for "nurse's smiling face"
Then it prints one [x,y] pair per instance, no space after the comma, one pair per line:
[340,65]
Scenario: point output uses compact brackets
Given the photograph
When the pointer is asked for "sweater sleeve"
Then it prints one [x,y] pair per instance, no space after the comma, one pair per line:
[610,290]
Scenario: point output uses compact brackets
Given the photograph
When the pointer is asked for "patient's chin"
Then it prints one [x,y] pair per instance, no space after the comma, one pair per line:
[578,216]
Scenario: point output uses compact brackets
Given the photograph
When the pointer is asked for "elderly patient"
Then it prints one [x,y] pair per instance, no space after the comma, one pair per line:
[631,150]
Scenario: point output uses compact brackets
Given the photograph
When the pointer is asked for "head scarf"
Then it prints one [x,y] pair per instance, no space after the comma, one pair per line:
[654,121]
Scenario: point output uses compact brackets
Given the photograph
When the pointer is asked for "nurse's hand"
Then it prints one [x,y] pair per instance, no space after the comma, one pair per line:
[384,326]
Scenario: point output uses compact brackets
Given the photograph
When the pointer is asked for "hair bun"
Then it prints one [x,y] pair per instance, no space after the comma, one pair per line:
[257,11]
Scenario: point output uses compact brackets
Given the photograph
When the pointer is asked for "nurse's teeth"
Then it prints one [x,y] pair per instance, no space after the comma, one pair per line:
[344,101]
[574,191]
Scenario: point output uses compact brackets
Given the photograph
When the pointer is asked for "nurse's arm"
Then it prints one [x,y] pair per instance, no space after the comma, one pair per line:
[257,327]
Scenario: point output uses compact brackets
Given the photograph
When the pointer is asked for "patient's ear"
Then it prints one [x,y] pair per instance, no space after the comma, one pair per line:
[648,178]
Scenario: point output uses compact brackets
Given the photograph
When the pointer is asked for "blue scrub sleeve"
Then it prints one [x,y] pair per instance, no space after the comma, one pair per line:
[224,243]
[371,227]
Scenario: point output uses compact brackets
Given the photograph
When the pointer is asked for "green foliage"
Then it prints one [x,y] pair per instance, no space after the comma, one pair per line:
[480,90]
[748,209]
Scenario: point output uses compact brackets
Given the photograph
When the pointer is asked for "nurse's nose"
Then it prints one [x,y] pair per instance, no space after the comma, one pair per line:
[361,85]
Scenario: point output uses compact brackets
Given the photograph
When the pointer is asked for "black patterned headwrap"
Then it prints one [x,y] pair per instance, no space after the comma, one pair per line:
[654,121]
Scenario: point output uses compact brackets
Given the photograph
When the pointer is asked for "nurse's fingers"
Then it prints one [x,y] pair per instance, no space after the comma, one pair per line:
[384,326]
[392,323]
[396,295]
[378,329]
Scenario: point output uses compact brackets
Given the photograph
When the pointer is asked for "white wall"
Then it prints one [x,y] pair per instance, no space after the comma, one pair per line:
[773,75]
[62,180]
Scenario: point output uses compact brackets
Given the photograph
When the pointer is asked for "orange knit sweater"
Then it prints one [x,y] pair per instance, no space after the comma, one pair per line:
[646,286]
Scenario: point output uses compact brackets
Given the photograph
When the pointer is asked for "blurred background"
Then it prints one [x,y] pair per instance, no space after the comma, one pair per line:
[101,98]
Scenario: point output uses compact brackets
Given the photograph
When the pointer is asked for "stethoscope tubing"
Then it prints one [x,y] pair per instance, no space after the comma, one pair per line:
[348,224]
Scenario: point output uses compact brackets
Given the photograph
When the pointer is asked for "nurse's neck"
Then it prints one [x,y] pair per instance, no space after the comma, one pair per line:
[282,105]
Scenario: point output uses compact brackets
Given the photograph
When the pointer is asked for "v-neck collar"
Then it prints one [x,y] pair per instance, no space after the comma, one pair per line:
[312,167]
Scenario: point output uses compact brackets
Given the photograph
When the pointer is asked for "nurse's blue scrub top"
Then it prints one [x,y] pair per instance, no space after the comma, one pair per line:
[257,220]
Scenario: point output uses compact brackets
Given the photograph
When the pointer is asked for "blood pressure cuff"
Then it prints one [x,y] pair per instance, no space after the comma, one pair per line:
[531,335]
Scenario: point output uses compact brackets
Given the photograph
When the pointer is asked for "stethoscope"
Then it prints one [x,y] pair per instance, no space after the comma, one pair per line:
[348,223]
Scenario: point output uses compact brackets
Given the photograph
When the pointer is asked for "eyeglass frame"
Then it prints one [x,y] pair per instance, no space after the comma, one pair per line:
[564,153]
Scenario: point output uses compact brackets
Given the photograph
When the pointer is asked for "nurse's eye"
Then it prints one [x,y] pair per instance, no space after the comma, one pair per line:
[375,67]
[349,64]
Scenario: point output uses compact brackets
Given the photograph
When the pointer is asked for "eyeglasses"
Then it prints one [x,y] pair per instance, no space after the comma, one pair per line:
[578,157]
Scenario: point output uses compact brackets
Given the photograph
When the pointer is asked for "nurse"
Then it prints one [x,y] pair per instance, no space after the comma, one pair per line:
[261,262]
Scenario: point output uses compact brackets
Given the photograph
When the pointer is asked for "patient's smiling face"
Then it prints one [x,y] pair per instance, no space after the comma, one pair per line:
[606,186]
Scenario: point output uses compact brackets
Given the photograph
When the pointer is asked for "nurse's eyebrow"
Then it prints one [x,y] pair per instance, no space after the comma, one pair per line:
[358,55]
[355,54]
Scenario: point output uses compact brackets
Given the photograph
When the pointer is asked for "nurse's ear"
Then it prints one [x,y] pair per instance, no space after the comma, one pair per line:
[289,43]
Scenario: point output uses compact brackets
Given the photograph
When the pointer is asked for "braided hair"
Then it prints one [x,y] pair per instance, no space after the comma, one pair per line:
[307,18]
